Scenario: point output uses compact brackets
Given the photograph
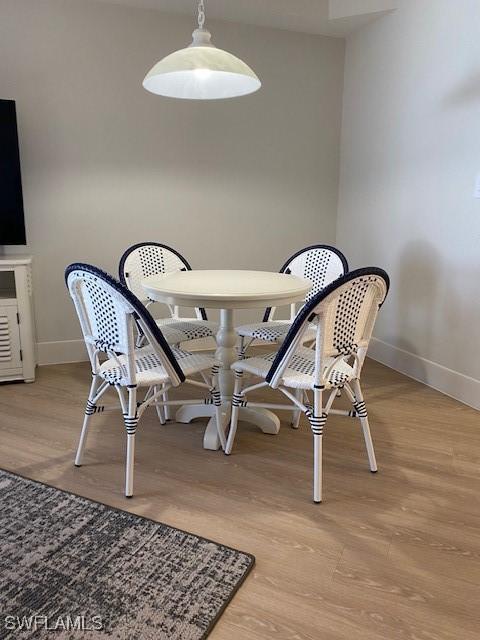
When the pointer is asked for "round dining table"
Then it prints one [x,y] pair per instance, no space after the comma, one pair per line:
[226,290]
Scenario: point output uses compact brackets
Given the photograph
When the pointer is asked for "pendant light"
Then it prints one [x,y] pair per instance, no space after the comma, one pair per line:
[201,71]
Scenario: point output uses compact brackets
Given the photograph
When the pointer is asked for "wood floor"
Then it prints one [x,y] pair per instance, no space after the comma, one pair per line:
[394,555]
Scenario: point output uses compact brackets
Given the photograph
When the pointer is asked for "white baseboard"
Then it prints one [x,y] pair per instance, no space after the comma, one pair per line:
[61,352]
[451,383]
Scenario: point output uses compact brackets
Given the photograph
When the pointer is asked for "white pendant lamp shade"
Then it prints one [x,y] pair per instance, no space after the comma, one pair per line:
[201,71]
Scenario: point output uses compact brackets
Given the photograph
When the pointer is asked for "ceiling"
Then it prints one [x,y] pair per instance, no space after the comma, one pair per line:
[307,16]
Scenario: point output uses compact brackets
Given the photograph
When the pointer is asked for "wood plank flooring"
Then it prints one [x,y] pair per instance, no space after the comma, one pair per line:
[389,556]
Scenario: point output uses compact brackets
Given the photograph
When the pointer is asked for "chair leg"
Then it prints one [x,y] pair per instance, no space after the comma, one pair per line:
[241,348]
[160,409]
[82,441]
[317,468]
[217,401]
[89,411]
[166,409]
[237,402]
[129,465]
[295,422]
[360,408]
[317,419]
[131,421]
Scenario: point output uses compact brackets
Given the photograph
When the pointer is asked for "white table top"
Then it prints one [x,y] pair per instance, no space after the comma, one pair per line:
[225,289]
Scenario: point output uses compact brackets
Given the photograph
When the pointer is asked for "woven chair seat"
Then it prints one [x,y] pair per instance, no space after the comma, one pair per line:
[300,372]
[149,370]
[180,330]
[272,331]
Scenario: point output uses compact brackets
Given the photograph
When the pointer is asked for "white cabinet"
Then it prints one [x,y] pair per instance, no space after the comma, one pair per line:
[17,336]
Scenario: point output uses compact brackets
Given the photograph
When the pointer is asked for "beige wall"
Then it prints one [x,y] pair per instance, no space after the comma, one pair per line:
[409,157]
[231,184]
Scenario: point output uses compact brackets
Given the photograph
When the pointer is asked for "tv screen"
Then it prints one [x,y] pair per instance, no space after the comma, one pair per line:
[12,224]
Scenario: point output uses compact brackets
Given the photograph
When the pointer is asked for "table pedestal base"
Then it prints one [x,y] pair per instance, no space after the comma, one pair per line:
[263,418]
[226,354]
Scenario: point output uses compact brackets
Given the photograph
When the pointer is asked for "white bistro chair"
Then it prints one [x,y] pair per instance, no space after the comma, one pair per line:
[319,263]
[108,314]
[152,258]
[344,314]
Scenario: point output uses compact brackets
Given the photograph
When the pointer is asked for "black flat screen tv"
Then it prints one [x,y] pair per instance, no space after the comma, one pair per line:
[12,222]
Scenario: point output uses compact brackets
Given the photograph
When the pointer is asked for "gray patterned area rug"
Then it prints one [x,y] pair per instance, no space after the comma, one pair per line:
[71,568]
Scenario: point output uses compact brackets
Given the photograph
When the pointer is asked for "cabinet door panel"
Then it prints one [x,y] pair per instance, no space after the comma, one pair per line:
[9,339]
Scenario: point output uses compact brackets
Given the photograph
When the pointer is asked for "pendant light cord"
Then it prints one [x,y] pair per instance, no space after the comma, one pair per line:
[201,13]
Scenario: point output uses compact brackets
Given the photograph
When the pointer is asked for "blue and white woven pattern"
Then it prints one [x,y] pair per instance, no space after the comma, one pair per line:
[272,331]
[106,310]
[346,309]
[103,310]
[152,258]
[149,368]
[321,264]
[299,373]
[148,259]
[186,329]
